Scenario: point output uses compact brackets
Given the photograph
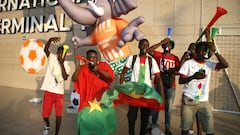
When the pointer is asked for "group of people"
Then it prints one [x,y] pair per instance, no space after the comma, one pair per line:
[154,68]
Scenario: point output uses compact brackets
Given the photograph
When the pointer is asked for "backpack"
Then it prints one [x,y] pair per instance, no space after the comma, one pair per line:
[149,62]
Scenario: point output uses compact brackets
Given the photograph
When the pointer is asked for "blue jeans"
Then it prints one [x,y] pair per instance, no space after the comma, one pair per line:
[169,99]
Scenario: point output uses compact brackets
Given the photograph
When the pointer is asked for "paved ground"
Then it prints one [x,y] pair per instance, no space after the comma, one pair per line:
[19,117]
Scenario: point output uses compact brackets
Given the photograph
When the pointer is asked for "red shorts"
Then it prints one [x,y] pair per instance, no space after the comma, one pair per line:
[49,100]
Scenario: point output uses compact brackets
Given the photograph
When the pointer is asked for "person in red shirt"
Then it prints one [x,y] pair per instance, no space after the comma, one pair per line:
[88,72]
[169,65]
[91,78]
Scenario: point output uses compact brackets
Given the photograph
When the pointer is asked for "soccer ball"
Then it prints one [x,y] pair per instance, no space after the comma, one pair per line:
[32,56]
[75,99]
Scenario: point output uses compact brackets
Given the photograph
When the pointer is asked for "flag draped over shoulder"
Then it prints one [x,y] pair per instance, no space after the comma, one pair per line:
[94,117]
[133,93]
[96,112]
[89,86]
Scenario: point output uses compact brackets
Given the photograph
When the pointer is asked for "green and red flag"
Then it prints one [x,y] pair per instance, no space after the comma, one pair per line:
[96,120]
[133,93]
[94,117]
[89,86]
[96,112]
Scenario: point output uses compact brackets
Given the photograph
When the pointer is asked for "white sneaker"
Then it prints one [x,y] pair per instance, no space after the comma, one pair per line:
[45,130]
[191,132]
[156,131]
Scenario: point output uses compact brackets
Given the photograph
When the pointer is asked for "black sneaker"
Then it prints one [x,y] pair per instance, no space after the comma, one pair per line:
[168,132]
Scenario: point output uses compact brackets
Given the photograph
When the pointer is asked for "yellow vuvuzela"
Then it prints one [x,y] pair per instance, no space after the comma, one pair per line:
[65,48]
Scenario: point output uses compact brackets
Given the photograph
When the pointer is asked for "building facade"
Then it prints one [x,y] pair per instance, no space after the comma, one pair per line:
[41,19]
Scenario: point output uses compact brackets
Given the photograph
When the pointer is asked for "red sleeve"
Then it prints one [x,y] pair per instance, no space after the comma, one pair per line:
[104,66]
[177,62]
[157,55]
[89,86]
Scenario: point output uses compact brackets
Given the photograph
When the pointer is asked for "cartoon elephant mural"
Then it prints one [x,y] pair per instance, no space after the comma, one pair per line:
[107,31]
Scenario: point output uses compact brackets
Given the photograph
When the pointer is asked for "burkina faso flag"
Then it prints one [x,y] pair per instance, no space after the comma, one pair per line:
[96,120]
[133,93]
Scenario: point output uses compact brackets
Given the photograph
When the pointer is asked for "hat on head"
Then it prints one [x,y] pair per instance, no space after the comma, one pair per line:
[173,43]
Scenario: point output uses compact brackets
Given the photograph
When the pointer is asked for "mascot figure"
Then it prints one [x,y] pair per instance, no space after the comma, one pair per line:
[106,30]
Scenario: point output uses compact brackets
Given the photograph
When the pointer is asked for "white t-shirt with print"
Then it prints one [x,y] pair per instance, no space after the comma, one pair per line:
[197,89]
[51,82]
[136,69]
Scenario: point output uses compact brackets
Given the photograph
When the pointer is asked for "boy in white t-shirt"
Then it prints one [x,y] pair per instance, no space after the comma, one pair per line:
[195,75]
[53,85]
[141,73]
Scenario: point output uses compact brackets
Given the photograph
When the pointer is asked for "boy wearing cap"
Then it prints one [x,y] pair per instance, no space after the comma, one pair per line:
[169,65]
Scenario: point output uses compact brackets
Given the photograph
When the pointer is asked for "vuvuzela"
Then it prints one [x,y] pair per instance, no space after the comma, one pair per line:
[220,11]
[214,32]
[65,48]
[169,32]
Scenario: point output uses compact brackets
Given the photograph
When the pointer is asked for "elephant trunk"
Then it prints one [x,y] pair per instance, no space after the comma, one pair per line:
[99,11]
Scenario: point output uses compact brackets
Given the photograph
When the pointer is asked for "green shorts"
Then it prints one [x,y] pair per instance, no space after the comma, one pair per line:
[190,108]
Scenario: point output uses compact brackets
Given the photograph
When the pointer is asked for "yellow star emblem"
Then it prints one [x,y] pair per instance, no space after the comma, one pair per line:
[199,92]
[95,105]
[134,94]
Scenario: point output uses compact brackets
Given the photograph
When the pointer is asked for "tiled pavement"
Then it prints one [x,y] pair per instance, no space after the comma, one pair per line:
[19,117]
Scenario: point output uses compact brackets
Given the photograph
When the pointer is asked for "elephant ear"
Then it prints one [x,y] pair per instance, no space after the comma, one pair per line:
[120,7]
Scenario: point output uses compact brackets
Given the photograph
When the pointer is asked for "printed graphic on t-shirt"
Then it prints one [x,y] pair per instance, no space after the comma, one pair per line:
[167,64]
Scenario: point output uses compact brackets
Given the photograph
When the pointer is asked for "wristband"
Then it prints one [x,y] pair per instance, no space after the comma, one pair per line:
[210,40]
[215,51]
